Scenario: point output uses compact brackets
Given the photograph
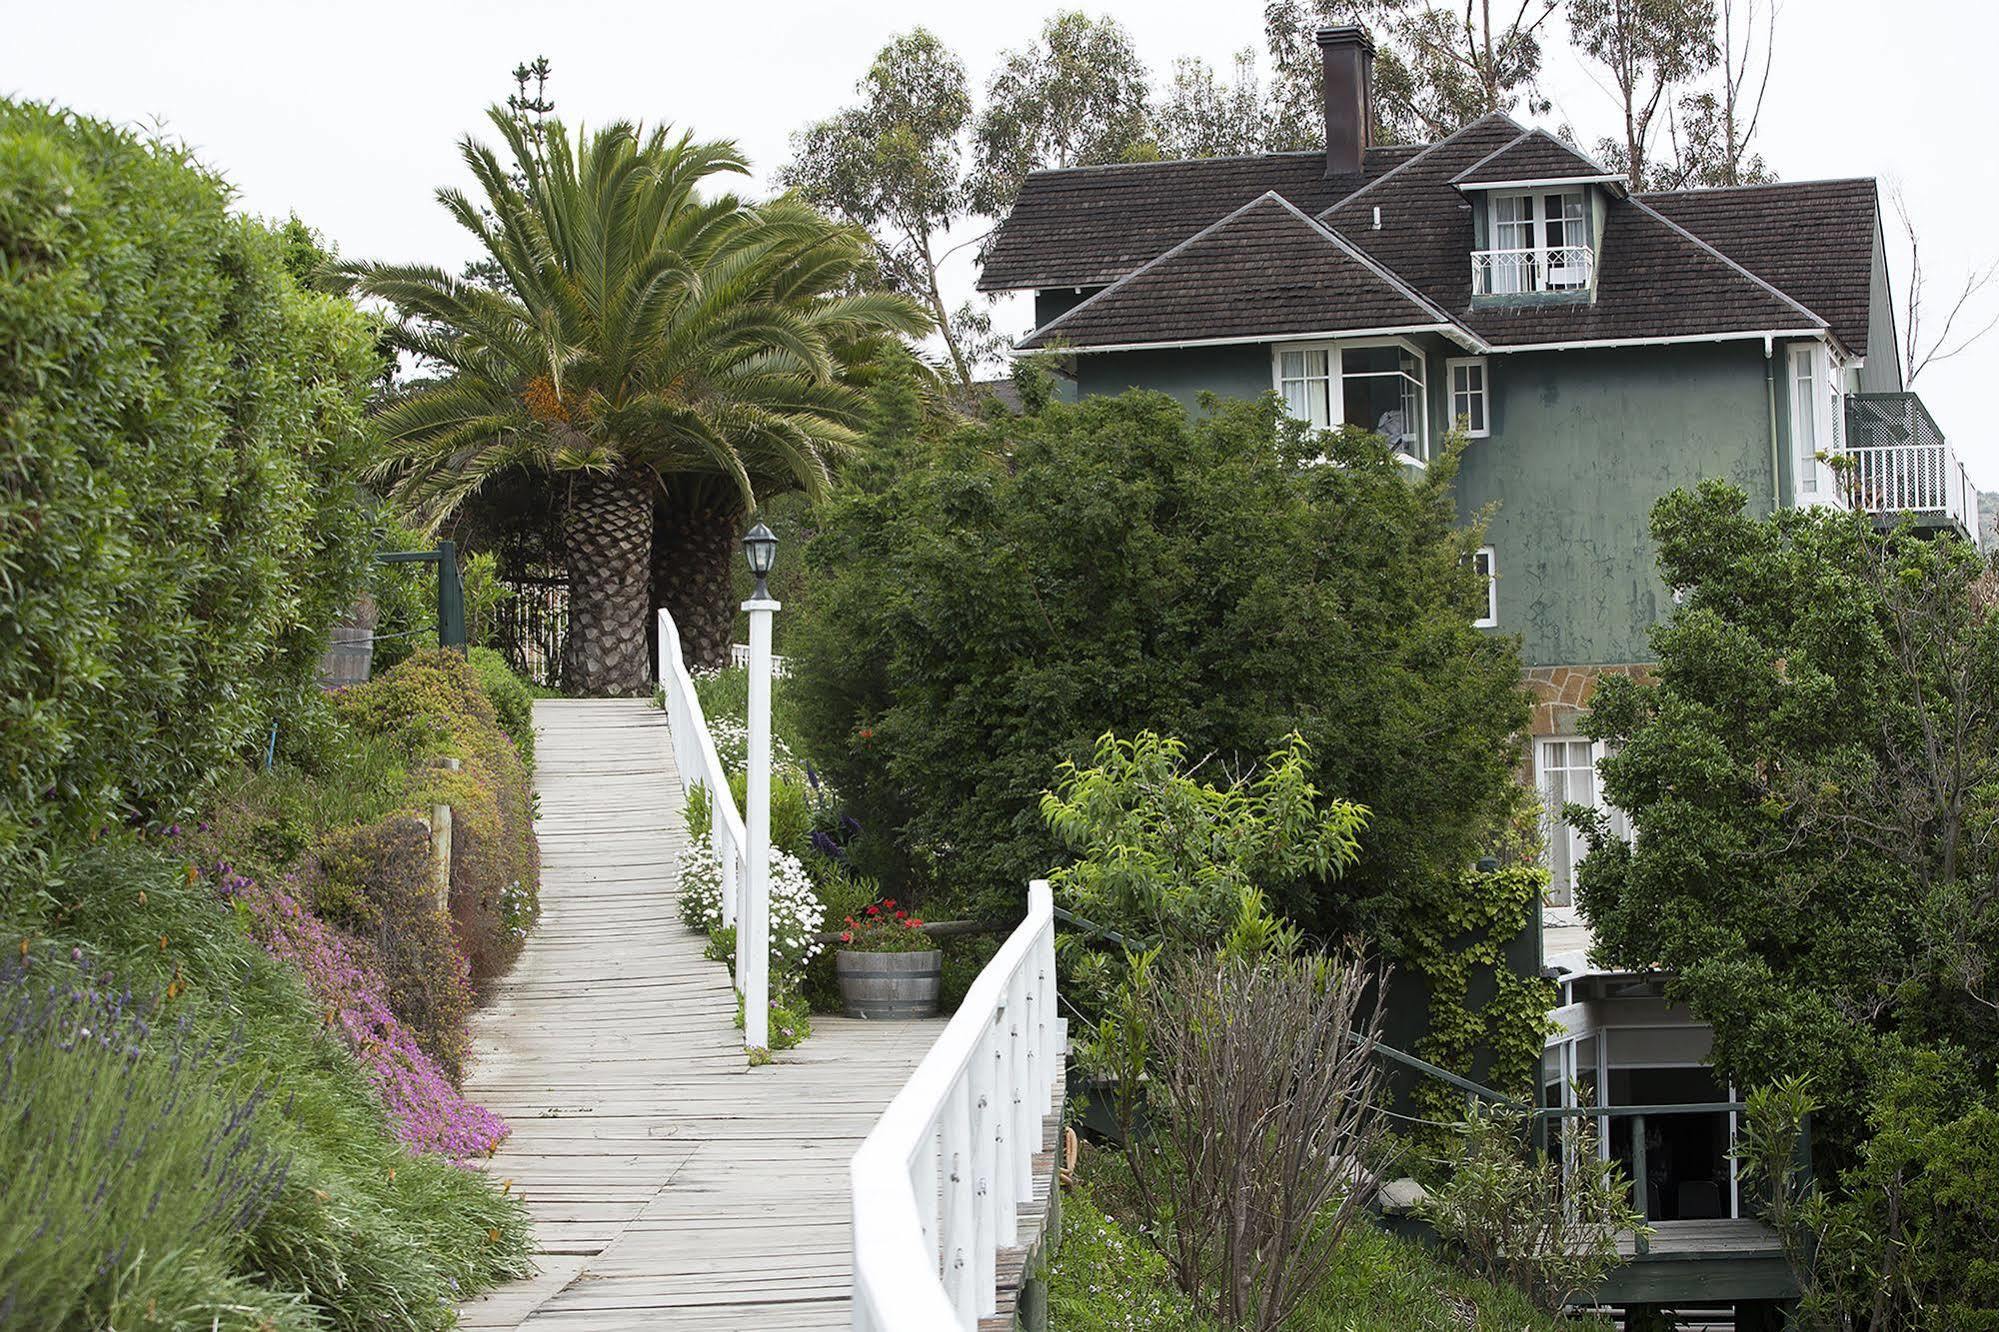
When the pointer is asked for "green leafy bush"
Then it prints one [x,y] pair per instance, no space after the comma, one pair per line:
[365,1233]
[1813,776]
[512,700]
[432,708]
[986,606]
[181,431]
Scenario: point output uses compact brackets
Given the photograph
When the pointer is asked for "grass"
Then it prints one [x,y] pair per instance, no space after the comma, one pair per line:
[360,1233]
[1107,1278]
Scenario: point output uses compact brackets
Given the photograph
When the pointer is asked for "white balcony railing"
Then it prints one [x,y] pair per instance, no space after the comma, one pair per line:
[1901,463]
[1525,272]
[739,657]
[938,1185]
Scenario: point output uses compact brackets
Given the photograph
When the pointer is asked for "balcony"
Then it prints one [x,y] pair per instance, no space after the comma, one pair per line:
[1902,465]
[1551,270]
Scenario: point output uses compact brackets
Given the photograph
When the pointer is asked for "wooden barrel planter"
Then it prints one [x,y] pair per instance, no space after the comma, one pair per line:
[350,654]
[890,985]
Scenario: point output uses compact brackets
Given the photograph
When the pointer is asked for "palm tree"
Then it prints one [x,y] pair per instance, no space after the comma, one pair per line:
[638,336]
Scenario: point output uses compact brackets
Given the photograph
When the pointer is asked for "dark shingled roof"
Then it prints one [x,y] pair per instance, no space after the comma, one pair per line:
[1535,155]
[1265,269]
[1814,239]
[1767,258]
[1087,226]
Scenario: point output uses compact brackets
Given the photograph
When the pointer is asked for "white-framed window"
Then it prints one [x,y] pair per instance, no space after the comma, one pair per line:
[1818,422]
[1565,771]
[1540,242]
[1486,565]
[1305,378]
[1374,383]
[1471,403]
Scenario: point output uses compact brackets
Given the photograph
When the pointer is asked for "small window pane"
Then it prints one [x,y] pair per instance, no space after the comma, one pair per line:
[1291,365]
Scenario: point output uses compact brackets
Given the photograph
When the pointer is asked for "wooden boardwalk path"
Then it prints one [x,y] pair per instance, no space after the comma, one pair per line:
[671,1185]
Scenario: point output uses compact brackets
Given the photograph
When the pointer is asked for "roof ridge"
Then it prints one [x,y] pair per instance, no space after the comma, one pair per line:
[1530,132]
[1400,167]
[1218,157]
[1781,295]
[1875,181]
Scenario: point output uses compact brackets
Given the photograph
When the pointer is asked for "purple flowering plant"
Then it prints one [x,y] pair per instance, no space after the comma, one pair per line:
[428,1113]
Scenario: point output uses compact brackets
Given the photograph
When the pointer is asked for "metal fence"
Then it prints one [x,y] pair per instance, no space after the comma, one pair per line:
[531,628]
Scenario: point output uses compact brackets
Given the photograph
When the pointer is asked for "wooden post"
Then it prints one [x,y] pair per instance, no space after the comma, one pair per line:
[440,847]
[1638,1183]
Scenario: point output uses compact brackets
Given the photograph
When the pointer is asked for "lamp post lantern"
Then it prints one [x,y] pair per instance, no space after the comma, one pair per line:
[753,926]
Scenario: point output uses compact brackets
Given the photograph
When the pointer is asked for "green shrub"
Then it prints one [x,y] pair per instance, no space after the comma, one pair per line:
[511,698]
[181,431]
[367,1233]
[986,606]
[1106,1279]
[433,707]
[377,882]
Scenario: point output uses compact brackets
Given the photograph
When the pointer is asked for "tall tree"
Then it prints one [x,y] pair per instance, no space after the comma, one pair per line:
[1077,97]
[1200,114]
[1436,66]
[1714,131]
[1649,48]
[641,333]
[1921,348]
[893,163]
[1465,62]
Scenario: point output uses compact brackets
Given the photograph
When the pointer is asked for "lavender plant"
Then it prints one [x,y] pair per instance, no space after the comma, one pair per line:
[125,1162]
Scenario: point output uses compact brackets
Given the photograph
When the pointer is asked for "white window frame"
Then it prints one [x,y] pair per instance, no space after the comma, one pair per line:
[1490,620]
[1483,394]
[1538,274]
[1812,378]
[1554,826]
[1414,448]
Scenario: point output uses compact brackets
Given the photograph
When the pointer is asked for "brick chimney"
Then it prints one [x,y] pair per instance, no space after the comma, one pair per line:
[1348,55]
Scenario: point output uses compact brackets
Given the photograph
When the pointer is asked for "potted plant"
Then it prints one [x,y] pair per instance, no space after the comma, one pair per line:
[887,966]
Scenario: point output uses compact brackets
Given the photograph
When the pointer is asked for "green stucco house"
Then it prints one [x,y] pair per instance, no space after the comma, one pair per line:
[1599,347]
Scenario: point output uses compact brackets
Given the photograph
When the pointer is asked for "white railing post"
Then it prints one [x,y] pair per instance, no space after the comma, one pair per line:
[1026,1123]
[753,933]
[985,1173]
[960,1266]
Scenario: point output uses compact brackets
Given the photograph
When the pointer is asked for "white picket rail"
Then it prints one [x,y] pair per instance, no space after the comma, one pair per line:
[739,657]
[938,1184]
[694,754]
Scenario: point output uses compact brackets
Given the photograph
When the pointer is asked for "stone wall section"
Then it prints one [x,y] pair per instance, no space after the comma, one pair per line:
[1562,694]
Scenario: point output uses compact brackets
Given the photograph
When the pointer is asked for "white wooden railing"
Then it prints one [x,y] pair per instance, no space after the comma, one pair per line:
[939,1183]
[739,657]
[1915,478]
[1520,272]
[694,754]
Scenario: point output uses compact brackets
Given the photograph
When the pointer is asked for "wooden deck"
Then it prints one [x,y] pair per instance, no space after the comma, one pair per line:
[1692,1261]
[671,1185]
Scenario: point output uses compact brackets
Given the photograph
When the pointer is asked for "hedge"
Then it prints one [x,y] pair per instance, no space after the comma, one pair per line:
[180,427]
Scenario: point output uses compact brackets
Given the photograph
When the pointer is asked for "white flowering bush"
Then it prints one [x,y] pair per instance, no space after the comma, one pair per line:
[732,747]
[796,913]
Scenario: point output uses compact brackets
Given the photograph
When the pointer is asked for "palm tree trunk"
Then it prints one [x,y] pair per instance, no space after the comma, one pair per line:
[607,543]
[695,535]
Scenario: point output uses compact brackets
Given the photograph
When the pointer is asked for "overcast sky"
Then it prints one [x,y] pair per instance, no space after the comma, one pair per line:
[349,114]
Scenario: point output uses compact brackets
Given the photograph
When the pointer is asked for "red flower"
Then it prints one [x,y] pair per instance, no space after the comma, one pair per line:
[846,936]
[902,915]
[915,924]
[890,904]
[850,920]
[874,911]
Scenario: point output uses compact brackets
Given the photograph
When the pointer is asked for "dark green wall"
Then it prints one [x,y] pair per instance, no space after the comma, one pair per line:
[1583,444]
[1241,371]
[1882,372]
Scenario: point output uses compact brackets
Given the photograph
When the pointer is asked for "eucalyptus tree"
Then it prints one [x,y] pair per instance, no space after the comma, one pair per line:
[640,336]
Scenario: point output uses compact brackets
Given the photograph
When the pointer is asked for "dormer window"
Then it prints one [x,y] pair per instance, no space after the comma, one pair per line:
[1540,243]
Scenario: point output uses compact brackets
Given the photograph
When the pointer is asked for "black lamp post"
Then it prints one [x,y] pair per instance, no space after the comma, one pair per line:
[760,548]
